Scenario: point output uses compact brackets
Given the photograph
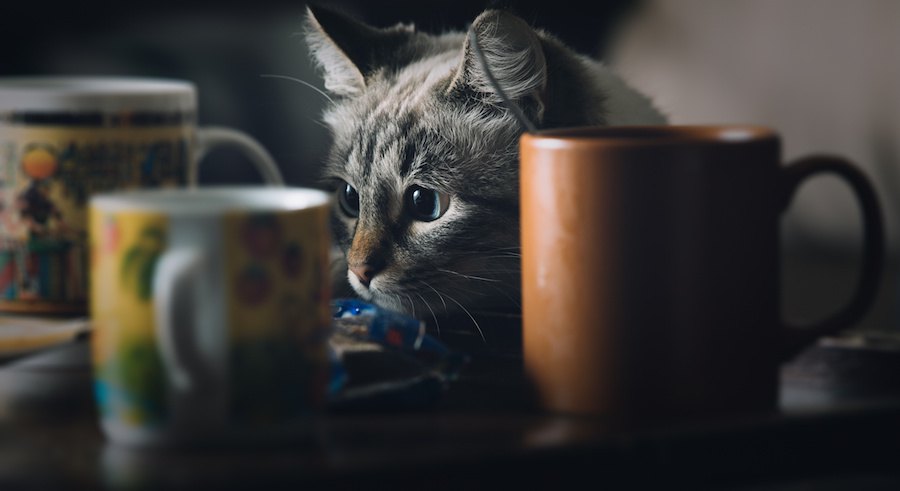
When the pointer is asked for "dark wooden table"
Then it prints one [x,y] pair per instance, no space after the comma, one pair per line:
[838,428]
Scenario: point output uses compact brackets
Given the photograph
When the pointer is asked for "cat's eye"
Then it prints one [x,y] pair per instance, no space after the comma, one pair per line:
[348,200]
[426,204]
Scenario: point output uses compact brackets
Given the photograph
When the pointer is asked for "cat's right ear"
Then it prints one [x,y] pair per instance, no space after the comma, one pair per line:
[514,58]
[347,50]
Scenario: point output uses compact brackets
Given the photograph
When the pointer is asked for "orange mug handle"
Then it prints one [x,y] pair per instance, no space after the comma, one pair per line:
[798,337]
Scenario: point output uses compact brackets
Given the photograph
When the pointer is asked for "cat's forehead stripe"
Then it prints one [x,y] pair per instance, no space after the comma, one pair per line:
[389,145]
[386,135]
[409,155]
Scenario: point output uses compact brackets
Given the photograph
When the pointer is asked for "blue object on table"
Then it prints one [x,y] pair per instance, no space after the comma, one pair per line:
[383,326]
[399,335]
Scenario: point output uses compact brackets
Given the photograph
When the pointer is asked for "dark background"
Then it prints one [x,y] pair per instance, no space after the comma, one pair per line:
[225,48]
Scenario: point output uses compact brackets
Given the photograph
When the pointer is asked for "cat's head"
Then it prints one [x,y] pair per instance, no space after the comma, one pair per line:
[424,157]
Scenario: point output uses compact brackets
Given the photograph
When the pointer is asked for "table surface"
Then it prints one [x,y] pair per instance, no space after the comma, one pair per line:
[839,423]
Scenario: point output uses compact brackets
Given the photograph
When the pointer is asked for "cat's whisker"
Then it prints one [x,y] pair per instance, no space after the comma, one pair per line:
[477,327]
[500,254]
[493,266]
[437,324]
[436,293]
[504,292]
[469,277]
[492,274]
[412,305]
[301,82]
[500,286]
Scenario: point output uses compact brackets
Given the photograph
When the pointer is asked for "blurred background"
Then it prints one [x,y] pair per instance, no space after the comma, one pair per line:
[824,73]
[228,49]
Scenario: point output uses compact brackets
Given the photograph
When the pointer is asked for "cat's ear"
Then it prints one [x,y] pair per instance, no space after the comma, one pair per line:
[514,57]
[347,50]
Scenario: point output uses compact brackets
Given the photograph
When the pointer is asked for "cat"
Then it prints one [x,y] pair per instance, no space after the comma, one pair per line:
[424,161]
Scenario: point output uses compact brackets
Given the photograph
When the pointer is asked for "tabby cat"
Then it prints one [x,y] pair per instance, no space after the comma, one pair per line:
[424,158]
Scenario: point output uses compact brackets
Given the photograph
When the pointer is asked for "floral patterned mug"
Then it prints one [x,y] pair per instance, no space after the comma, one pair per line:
[210,309]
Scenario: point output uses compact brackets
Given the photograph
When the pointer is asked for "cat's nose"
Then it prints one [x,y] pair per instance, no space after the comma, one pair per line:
[364,273]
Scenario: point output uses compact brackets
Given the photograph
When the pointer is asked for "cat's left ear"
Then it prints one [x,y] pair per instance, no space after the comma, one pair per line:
[348,50]
[514,56]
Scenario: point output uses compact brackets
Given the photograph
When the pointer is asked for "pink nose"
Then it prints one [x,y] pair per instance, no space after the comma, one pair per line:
[364,273]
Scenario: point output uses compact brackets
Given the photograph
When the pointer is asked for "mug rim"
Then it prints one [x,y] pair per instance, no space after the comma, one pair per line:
[649,135]
[211,200]
[95,92]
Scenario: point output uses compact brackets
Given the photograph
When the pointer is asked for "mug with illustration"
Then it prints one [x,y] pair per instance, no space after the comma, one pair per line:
[63,139]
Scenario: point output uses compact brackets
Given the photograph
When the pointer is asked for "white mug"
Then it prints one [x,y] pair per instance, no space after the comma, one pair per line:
[210,310]
[63,139]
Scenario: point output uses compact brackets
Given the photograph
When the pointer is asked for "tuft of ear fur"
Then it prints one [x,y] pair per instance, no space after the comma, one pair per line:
[347,51]
[514,57]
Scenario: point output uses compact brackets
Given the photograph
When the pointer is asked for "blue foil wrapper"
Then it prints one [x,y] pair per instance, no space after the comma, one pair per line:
[401,337]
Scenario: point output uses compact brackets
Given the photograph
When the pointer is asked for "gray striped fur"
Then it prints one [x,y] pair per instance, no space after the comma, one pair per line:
[417,109]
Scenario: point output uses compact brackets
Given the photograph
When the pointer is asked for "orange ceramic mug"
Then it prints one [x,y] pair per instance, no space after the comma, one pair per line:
[651,268]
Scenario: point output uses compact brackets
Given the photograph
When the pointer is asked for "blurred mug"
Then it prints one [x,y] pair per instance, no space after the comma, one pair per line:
[651,268]
[210,310]
[65,138]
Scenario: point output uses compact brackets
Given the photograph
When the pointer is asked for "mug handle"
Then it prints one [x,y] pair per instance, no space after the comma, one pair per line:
[797,337]
[209,137]
[172,297]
